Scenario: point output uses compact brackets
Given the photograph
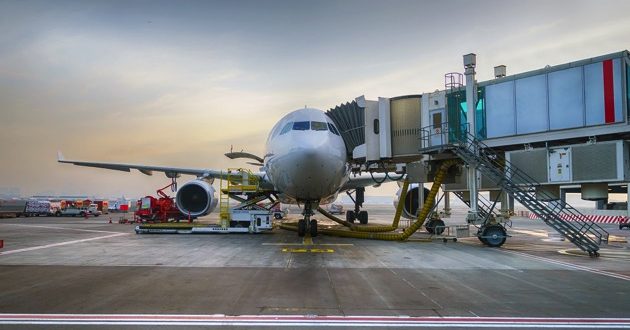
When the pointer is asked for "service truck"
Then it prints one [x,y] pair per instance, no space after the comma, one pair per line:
[12,207]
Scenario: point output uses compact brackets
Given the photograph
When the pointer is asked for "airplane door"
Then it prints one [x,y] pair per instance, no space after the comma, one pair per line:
[438,136]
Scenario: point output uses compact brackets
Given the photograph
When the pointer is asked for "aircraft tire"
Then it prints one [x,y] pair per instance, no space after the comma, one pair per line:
[350,216]
[302,228]
[363,217]
[313,229]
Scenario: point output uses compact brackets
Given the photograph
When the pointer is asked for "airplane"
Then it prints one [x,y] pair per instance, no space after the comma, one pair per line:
[305,163]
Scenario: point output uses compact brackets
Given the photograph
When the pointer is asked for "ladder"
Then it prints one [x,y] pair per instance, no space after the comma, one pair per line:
[485,208]
[566,220]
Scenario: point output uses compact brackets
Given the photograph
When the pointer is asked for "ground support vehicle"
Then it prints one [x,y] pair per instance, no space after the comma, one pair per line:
[162,209]
[12,208]
[72,212]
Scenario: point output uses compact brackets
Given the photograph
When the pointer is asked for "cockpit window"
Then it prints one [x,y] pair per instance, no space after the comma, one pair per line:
[333,129]
[318,126]
[286,128]
[301,126]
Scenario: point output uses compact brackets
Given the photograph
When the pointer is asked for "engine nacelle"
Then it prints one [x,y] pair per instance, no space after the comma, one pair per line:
[196,198]
[410,208]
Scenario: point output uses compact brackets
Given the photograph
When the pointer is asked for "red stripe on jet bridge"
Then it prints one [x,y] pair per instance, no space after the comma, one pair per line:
[609,92]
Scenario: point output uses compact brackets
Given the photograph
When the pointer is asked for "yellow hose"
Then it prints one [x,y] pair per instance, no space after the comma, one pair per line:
[372,228]
[362,231]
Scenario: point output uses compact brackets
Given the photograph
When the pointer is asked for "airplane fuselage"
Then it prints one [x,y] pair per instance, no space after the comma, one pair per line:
[305,157]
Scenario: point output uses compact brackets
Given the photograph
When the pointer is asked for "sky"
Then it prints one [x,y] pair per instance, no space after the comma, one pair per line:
[179,83]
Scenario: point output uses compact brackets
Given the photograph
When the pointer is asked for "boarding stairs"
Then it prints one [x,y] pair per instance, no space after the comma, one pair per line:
[566,220]
[485,208]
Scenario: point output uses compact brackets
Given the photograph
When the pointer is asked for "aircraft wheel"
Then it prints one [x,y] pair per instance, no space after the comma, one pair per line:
[313,229]
[429,226]
[494,235]
[302,228]
[350,216]
[438,226]
[363,217]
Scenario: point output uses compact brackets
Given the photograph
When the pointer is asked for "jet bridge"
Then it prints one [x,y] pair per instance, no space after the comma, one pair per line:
[555,126]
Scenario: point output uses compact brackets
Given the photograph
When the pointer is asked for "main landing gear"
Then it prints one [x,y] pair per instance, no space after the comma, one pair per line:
[307,225]
[357,214]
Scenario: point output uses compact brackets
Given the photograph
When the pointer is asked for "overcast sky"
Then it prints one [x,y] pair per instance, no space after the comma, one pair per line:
[178,82]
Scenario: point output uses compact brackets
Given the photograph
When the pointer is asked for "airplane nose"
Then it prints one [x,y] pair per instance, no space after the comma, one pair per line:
[316,171]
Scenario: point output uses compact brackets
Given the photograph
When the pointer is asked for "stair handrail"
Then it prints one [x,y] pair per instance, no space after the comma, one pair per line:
[523,179]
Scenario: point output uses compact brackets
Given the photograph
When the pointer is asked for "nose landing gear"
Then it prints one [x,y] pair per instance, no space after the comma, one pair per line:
[307,225]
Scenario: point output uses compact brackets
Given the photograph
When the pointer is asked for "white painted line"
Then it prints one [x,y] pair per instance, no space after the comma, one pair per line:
[312,320]
[63,228]
[40,247]
[570,265]
[531,232]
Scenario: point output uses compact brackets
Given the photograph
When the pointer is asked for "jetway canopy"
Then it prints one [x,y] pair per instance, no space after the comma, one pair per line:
[350,120]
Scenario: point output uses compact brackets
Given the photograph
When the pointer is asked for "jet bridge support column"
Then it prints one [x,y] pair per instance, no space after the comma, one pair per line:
[470,61]
[447,203]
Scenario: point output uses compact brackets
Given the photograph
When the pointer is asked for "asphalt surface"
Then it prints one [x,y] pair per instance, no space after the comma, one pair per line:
[73,272]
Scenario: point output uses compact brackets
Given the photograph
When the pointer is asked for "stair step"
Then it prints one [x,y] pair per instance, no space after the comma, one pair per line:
[475,153]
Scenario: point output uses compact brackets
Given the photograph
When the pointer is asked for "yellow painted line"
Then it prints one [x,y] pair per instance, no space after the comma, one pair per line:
[300,244]
[308,240]
[322,251]
[303,250]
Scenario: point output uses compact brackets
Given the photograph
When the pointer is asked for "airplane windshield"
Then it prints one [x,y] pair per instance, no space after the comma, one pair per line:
[286,128]
[301,126]
[318,126]
[333,129]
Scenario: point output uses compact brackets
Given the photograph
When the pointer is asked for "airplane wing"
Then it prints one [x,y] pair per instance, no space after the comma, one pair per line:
[170,172]
[370,179]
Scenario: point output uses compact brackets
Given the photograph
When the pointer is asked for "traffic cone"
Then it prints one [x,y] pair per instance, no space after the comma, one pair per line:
[110,220]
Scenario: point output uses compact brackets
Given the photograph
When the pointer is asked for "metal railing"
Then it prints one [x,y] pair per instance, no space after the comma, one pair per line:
[565,219]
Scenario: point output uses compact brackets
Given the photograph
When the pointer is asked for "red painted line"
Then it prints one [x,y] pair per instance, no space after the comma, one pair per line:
[609,92]
[309,318]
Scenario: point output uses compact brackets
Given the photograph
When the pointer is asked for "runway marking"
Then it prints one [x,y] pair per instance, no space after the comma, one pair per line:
[300,244]
[608,254]
[304,250]
[311,320]
[307,240]
[40,247]
[570,265]
[63,228]
[532,232]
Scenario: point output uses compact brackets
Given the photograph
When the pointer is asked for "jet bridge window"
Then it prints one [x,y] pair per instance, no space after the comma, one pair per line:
[318,126]
[333,129]
[301,126]
[286,128]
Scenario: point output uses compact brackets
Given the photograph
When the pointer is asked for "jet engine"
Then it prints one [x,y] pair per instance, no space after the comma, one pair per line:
[410,208]
[196,198]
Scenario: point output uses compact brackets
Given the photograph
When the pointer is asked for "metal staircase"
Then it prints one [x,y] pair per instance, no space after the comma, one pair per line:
[562,217]
[485,208]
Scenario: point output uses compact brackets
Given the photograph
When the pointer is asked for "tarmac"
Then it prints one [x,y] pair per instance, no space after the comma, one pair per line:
[77,273]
